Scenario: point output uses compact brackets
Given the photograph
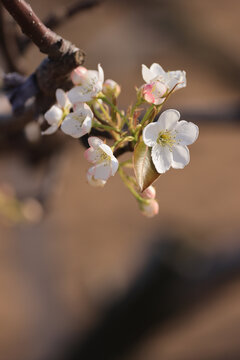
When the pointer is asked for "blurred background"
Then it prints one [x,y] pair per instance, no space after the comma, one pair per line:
[83,275]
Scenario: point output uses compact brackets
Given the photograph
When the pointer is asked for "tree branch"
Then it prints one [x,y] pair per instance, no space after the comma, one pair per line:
[52,73]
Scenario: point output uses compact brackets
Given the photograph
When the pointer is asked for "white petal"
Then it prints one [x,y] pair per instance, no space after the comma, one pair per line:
[186,132]
[62,98]
[114,164]
[162,158]
[106,149]
[92,181]
[81,94]
[157,70]
[100,74]
[176,77]
[147,74]
[168,119]
[101,171]
[150,134]
[181,156]
[92,155]
[75,128]
[51,130]
[94,141]
[53,115]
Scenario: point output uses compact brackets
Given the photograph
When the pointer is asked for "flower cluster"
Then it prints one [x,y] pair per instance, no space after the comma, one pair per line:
[158,143]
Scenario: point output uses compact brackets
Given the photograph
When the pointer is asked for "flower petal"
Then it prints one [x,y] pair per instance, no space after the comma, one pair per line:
[53,115]
[106,149]
[92,155]
[162,158]
[147,74]
[51,130]
[95,182]
[94,141]
[150,134]
[62,98]
[75,128]
[114,165]
[181,156]
[100,74]
[101,171]
[81,94]
[186,132]
[157,70]
[168,119]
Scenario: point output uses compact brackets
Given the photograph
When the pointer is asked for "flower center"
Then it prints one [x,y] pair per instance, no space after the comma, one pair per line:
[166,138]
[103,156]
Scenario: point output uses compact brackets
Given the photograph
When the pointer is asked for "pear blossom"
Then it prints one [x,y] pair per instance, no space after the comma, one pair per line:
[160,83]
[150,209]
[56,113]
[111,88]
[79,122]
[169,138]
[88,84]
[101,156]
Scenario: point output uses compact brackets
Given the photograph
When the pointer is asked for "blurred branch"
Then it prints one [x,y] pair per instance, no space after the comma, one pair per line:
[52,73]
[59,17]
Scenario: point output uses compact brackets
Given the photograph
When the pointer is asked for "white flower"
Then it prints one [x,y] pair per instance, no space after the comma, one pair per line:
[56,113]
[89,84]
[150,209]
[169,138]
[159,83]
[101,155]
[79,122]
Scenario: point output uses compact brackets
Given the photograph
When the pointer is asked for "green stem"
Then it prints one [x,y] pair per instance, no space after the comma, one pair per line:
[126,181]
[122,140]
[115,108]
[104,111]
[147,114]
[106,127]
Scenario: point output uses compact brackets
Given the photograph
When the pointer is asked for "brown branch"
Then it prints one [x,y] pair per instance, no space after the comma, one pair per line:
[52,73]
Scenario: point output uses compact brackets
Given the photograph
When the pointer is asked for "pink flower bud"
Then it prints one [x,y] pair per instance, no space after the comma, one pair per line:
[151,209]
[111,88]
[78,75]
[149,193]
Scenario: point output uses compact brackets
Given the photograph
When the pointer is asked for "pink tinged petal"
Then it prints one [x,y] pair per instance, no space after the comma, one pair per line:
[102,171]
[92,155]
[147,93]
[162,158]
[150,134]
[53,115]
[78,75]
[147,74]
[62,98]
[51,130]
[114,165]
[149,193]
[100,74]
[168,119]
[157,70]
[181,156]
[186,132]
[95,141]
[159,101]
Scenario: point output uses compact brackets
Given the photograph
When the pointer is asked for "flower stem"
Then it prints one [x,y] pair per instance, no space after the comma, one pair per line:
[106,127]
[115,108]
[127,182]
[147,114]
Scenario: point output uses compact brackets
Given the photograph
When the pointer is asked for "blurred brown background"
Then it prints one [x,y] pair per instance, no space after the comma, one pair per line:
[61,273]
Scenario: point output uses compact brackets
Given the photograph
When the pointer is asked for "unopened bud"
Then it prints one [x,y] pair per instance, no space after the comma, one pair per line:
[151,209]
[149,193]
[111,88]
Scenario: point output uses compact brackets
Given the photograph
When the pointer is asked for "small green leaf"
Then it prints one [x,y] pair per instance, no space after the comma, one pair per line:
[144,168]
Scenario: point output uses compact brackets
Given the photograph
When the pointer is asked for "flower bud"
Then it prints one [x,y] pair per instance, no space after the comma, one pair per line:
[149,193]
[111,88]
[78,75]
[151,209]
